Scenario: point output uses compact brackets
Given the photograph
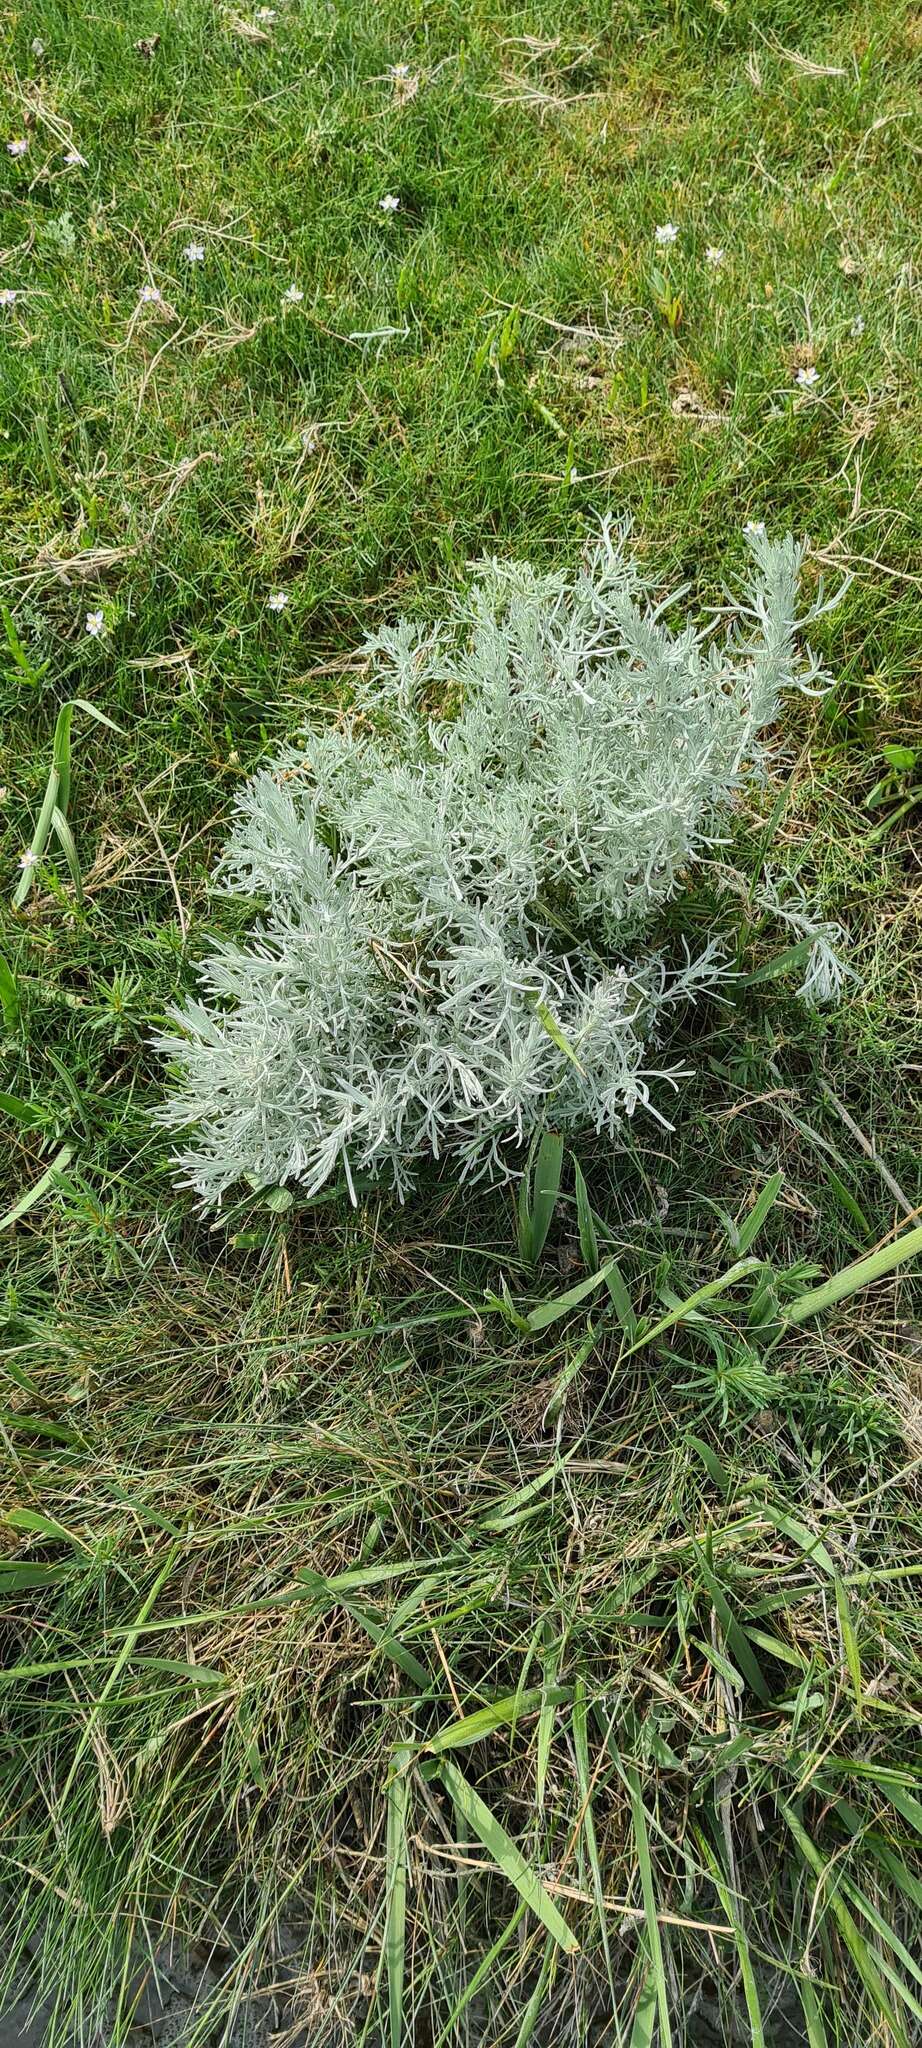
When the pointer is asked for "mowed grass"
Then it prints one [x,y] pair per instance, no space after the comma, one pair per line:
[330,1589]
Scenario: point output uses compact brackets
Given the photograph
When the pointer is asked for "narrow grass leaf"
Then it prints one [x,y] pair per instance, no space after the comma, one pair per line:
[39,1188]
[849,1642]
[396,1880]
[648,1894]
[67,842]
[748,1230]
[585,1222]
[584,1784]
[502,1713]
[505,1855]
[551,1311]
[852,1937]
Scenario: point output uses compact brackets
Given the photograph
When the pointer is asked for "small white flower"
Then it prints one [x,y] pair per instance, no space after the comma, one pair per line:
[293,296]
[18,146]
[398,71]
[857,326]
[8,296]
[72,157]
[38,47]
[667,232]
[310,440]
[266,14]
[194,252]
[95,624]
[28,859]
[754,529]
[714,256]
[150,295]
[389,203]
[807,376]
[574,475]
[277,600]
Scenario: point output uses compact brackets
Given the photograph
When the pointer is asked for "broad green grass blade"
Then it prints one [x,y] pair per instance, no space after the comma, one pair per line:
[853,1278]
[505,1855]
[849,1642]
[813,2017]
[545,1186]
[749,1229]
[396,1878]
[502,1713]
[9,995]
[643,2031]
[648,1894]
[551,1311]
[34,1194]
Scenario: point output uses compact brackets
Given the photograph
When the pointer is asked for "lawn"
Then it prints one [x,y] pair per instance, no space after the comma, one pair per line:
[429,1656]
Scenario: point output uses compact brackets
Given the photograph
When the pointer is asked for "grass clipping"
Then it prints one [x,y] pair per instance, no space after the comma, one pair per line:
[452,884]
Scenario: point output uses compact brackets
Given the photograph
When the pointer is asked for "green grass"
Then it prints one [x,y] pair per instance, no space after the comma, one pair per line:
[290,1500]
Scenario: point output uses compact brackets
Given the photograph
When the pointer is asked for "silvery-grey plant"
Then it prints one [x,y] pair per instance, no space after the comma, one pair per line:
[452,880]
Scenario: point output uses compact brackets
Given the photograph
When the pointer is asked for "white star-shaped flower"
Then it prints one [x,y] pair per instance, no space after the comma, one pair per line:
[398,71]
[150,295]
[293,296]
[194,252]
[72,157]
[38,47]
[714,256]
[28,859]
[389,203]
[277,600]
[95,624]
[18,146]
[666,232]
[857,326]
[754,529]
[8,296]
[267,15]
[807,376]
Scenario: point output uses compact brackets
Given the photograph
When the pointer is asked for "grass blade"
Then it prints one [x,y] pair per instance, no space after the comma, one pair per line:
[396,1879]
[648,1894]
[9,995]
[585,1222]
[40,1188]
[546,1185]
[505,1855]
[853,1278]
[749,1229]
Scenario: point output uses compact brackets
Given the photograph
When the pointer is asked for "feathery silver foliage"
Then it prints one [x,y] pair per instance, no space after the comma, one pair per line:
[451,882]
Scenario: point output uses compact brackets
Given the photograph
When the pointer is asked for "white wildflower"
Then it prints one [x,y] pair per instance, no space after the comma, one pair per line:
[95,624]
[807,376]
[398,71]
[38,47]
[150,295]
[267,15]
[72,158]
[277,600]
[754,529]
[293,296]
[389,203]
[28,859]
[8,296]
[18,146]
[194,252]
[857,326]
[666,232]
[714,256]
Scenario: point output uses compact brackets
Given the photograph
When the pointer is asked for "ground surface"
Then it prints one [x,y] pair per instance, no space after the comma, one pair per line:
[695,1645]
